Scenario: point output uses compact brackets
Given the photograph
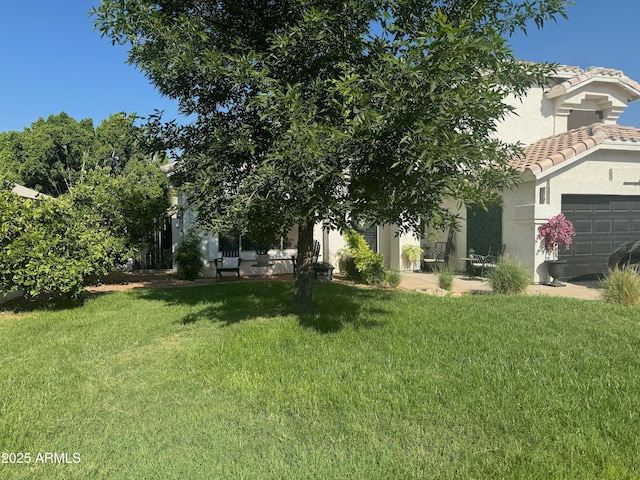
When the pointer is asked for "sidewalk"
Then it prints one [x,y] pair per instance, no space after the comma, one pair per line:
[428,283]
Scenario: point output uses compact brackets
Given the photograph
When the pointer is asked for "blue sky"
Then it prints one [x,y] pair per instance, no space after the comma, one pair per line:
[52,60]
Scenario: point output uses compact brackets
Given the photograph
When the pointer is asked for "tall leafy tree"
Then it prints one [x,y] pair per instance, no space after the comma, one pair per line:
[10,152]
[54,152]
[129,203]
[118,140]
[336,110]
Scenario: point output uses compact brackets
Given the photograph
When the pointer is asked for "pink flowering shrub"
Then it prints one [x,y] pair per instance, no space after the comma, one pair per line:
[557,231]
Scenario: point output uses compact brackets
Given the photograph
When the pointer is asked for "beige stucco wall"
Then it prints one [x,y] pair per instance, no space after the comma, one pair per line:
[533,120]
[518,228]
[389,244]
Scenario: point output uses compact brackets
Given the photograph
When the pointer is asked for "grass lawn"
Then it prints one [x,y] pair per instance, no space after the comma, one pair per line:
[224,381]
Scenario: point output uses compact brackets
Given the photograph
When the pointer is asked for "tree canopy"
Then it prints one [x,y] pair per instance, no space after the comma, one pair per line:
[341,111]
[53,154]
[107,195]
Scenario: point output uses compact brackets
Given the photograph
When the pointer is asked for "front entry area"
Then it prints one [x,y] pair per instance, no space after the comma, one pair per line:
[602,223]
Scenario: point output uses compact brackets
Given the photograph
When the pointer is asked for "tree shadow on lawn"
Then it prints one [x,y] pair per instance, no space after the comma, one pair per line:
[47,303]
[334,305]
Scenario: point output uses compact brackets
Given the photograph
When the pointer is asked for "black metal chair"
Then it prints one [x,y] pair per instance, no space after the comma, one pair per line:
[436,257]
[321,268]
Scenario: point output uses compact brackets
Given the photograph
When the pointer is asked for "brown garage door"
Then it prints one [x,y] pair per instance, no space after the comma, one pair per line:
[602,223]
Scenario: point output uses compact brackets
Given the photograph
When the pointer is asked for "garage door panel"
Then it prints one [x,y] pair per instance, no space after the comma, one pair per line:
[602,226]
[621,226]
[583,226]
[582,248]
[620,206]
[578,269]
[603,248]
[582,208]
[602,223]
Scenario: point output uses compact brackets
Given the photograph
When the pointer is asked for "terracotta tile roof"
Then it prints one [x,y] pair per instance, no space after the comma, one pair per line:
[550,151]
[575,76]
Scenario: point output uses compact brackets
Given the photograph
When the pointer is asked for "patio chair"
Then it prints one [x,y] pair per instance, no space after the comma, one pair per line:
[437,257]
[230,261]
[482,263]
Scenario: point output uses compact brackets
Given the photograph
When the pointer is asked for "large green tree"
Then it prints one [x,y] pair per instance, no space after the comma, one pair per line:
[337,110]
[50,154]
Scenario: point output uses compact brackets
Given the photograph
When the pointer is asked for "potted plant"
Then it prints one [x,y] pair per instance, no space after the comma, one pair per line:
[262,253]
[412,254]
[556,232]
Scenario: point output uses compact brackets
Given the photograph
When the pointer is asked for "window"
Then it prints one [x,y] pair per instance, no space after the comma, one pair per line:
[233,241]
[371,237]
[582,118]
[543,196]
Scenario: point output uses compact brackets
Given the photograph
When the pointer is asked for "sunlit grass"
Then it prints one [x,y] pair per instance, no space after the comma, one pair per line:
[225,381]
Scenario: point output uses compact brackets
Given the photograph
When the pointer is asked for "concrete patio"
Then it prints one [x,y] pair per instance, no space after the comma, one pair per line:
[427,282]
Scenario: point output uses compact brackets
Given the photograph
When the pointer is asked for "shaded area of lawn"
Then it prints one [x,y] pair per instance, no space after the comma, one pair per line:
[226,382]
[334,304]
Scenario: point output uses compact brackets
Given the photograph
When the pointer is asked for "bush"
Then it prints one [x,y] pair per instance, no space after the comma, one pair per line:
[509,277]
[359,262]
[445,277]
[188,258]
[52,247]
[394,278]
[622,286]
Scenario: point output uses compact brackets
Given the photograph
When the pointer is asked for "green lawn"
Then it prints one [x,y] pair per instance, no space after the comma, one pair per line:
[224,381]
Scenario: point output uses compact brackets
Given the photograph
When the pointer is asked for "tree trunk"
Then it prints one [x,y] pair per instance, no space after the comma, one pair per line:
[303,287]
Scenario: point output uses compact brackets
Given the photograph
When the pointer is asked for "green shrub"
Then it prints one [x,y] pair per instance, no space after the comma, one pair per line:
[444,274]
[359,262]
[52,247]
[509,276]
[622,286]
[347,265]
[188,258]
[394,278]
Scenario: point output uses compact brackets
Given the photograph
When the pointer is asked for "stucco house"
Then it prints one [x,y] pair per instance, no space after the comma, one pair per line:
[577,160]
[582,164]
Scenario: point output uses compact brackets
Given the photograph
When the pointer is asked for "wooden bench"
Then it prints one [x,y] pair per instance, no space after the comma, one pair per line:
[229,262]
